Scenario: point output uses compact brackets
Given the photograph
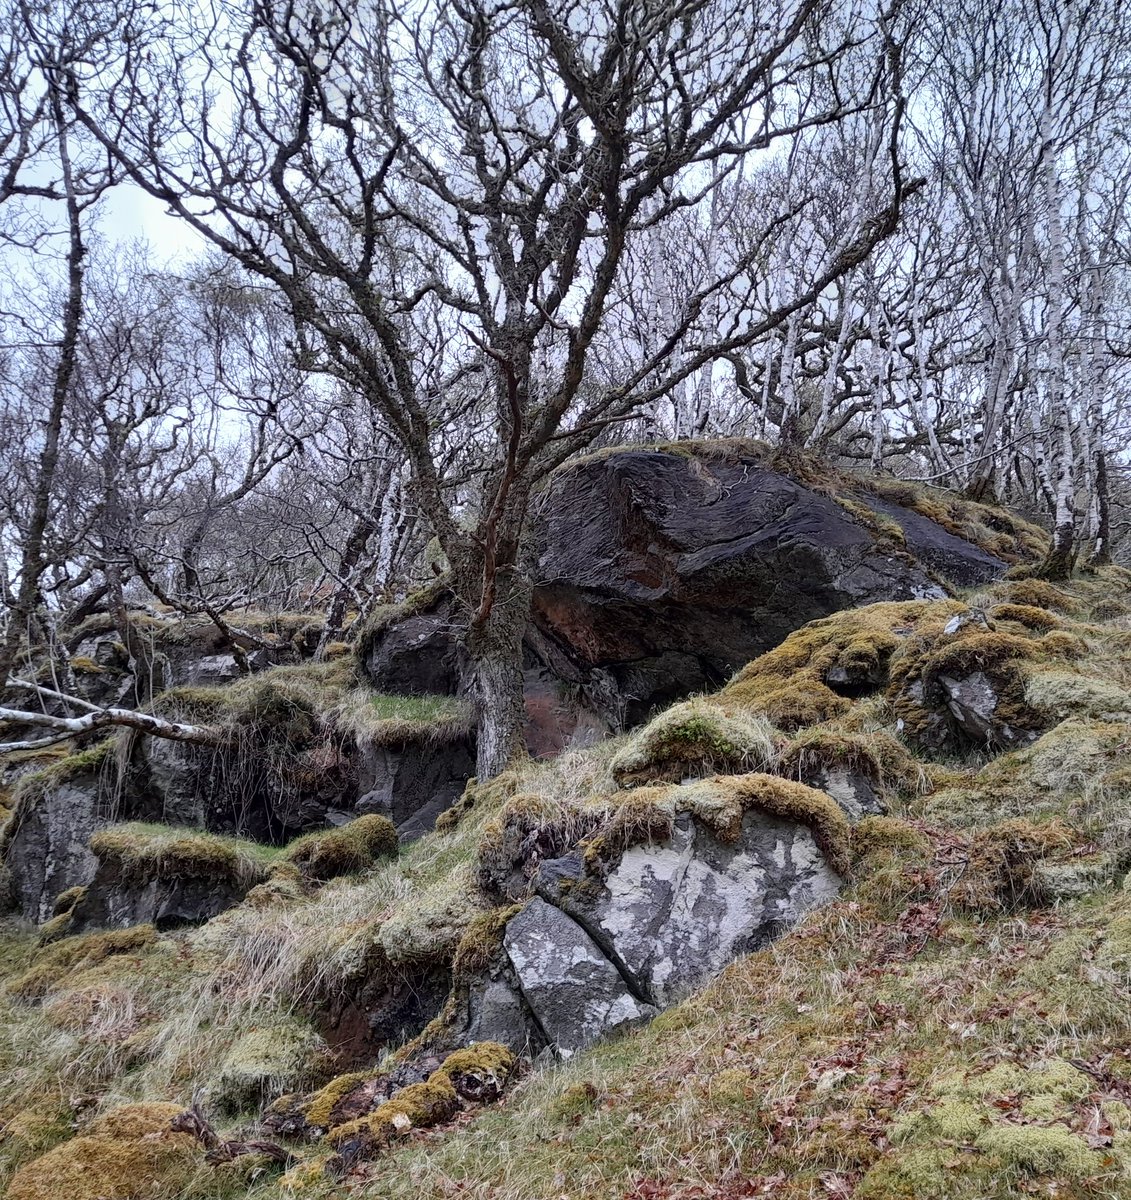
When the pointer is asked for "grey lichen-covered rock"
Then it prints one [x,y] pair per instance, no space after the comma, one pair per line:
[47,847]
[673,915]
[574,992]
[974,705]
[609,942]
[851,789]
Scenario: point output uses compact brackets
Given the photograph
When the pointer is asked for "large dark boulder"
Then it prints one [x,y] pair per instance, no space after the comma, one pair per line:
[659,575]
[670,573]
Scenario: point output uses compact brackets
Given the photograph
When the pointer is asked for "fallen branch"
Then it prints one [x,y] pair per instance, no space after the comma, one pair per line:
[193,1121]
[95,718]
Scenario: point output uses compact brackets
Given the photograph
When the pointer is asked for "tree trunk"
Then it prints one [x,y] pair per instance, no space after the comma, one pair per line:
[1101,546]
[495,647]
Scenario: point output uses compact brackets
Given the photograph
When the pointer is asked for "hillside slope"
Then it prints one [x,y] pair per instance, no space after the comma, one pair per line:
[955,1023]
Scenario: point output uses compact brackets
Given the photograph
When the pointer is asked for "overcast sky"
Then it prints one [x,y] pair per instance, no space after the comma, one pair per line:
[130,215]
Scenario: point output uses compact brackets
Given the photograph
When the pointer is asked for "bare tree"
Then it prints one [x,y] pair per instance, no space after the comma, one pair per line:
[447,194]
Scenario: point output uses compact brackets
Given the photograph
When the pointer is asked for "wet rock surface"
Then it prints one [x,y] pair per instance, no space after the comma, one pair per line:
[659,575]
[48,846]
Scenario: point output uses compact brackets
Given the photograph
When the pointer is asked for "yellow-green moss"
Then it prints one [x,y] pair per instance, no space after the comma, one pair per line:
[1001,860]
[788,684]
[143,852]
[1038,619]
[85,763]
[696,737]
[490,1058]
[878,835]
[353,847]
[1039,593]
[129,1154]
[82,665]
[482,940]
[320,1109]
[877,756]
[721,802]
[60,959]
[415,1107]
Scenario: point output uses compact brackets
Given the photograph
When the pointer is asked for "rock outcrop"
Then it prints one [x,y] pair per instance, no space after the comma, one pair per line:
[647,907]
[659,574]
[669,573]
[47,844]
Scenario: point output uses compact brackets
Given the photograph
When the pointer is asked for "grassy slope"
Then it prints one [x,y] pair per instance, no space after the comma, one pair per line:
[921,1037]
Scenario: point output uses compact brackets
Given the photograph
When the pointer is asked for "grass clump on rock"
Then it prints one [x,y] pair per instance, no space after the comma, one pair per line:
[142,852]
[696,737]
[350,848]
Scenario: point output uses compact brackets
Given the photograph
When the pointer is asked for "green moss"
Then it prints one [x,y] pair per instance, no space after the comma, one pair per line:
[320,1109]
[481,943]
[143,852]
[1073,694]
[698,736]
[481,1059]
[350,848]
[1041,1151]
[55,962]
[275,1056]
[378,719]
[415,1107]
[129,1154]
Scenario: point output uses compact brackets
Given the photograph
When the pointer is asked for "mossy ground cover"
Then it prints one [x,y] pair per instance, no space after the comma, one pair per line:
[944,1029]
[870,1051]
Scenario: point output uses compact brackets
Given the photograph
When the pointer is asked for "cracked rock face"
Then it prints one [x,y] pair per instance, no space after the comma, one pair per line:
[574,992]
[592,953]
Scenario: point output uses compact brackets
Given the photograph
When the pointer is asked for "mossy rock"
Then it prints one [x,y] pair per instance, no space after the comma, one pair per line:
[350,848]
[698,737]
[277,1056]
[141,853]
[417,1106]
[129,1154]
